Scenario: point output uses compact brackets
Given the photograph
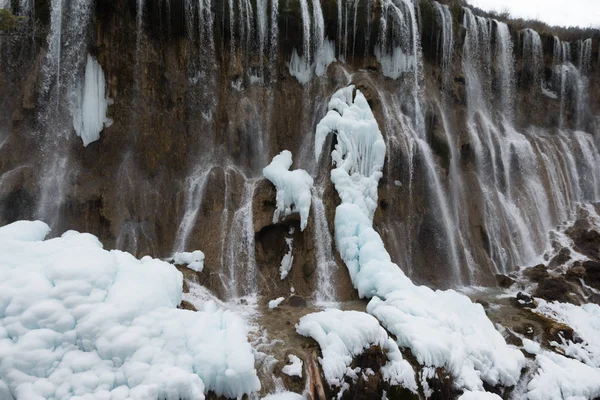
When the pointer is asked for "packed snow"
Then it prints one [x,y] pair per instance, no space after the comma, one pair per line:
[559,378]
[293,188]
[343,335]
[77,321]
[294,368]
[275,303]
[479,396]
[89,109]
[585,321]
[193,260]
[284,396]
[441,328]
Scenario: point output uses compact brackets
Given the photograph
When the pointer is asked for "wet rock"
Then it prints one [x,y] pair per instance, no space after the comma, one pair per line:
[575,273]
[563,257]
[595,298]
[524,300]
[527,330]
[592,270]
[186,305]
[484,303]
[297,301]
[504,281]
[537,273]
[553,289]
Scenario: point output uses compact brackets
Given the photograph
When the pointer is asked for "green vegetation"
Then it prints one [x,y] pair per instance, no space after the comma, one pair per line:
[8,20]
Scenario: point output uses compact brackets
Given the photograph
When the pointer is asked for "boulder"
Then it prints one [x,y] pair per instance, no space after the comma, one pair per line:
[553,289]
[504,281]
[537,273]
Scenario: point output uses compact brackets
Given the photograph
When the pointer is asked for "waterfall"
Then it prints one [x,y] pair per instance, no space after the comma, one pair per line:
[533,57]
[477,61]
[194,193]
[446,42]
[505,74]
[585,56]
[62,71]
[326,265]
[6,4]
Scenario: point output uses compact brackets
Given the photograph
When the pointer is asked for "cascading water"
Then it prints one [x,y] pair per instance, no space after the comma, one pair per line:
[505,68]
[585,55]
[326,265]
[533,57]
[446,42]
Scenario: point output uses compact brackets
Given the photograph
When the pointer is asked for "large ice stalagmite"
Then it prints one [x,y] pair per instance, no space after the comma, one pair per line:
[293,188]
[77,321]
[89,111]
[442,328]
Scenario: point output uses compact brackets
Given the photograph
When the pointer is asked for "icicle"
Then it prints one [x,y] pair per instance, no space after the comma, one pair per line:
[89,113]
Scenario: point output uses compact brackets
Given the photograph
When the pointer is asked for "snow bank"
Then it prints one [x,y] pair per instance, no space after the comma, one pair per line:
[442,328]
[293,188]
[479,396]
[89,110]
[585,321]
[193,260]
[343,335]
[295,368]
[560,378]
[79,321]
[284,396]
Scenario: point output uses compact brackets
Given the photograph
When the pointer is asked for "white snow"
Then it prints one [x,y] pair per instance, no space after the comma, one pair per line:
[295,368]
[531,347]
[77,321]
[343,335]
[585,321]
[275,303]
[287,261]
[193,260]
[293,188]
[89,109]
[559,378]
[442,328]
[479,396]
[284,396]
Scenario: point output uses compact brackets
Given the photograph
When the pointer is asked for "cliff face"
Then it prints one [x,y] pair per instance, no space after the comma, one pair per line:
[492,132]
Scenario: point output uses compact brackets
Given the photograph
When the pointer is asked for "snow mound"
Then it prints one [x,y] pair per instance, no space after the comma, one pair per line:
[193,260]
[441,328]
[77,321]
[284,396]
[293,188]
[343,335]
[479,396]
[89,109]
[295,368]
[560,378]
[585,321]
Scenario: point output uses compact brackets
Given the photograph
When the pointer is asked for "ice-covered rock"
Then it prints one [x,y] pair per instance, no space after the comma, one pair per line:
[441,328]
[79,321]
[294,368]
[193,260]
[343,335]
[293,188]
[275,303]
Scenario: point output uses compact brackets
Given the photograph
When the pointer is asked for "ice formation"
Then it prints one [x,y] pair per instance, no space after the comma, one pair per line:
[295,368]
[293,188]
[288,260]
[585,321]
[193,260]
[559,378]
[442,328]
[275,303]
[77,321]
[343,335]
[89,110]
